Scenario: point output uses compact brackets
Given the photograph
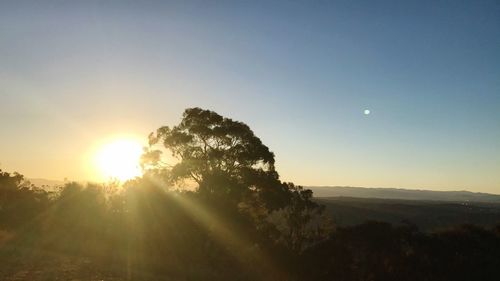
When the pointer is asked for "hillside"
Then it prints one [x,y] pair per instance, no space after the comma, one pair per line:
[426,215]
[403,194]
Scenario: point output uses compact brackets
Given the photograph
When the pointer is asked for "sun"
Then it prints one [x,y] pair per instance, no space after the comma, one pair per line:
[119,159]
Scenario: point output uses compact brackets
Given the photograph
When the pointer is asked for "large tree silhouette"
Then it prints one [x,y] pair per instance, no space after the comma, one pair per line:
[233,168]
[222,156]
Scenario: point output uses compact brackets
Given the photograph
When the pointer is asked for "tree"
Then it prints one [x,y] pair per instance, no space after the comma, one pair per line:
[228,163]
[19,200]
[222,156]
[304,223]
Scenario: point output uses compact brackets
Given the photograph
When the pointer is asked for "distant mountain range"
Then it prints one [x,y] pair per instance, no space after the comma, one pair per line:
[403,194]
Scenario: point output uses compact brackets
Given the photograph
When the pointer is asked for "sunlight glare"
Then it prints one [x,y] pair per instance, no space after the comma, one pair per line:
[119,159]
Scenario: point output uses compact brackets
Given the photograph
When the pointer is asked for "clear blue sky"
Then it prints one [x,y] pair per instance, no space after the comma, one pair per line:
[300,73]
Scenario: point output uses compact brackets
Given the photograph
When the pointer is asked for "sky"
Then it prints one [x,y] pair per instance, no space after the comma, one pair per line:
[299,73]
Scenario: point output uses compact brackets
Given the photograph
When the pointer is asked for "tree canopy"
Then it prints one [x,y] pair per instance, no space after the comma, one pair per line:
[222,156]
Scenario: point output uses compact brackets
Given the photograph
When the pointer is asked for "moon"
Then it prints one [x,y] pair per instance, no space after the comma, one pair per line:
[366,112]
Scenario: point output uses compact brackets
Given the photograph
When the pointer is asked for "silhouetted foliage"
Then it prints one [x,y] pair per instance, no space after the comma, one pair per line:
[232,168]
[142,231]
[19,200]
[222,156]
[239,223]
[379,251]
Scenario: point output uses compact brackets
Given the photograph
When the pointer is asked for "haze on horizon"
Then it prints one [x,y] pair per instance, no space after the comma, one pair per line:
[301,75]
